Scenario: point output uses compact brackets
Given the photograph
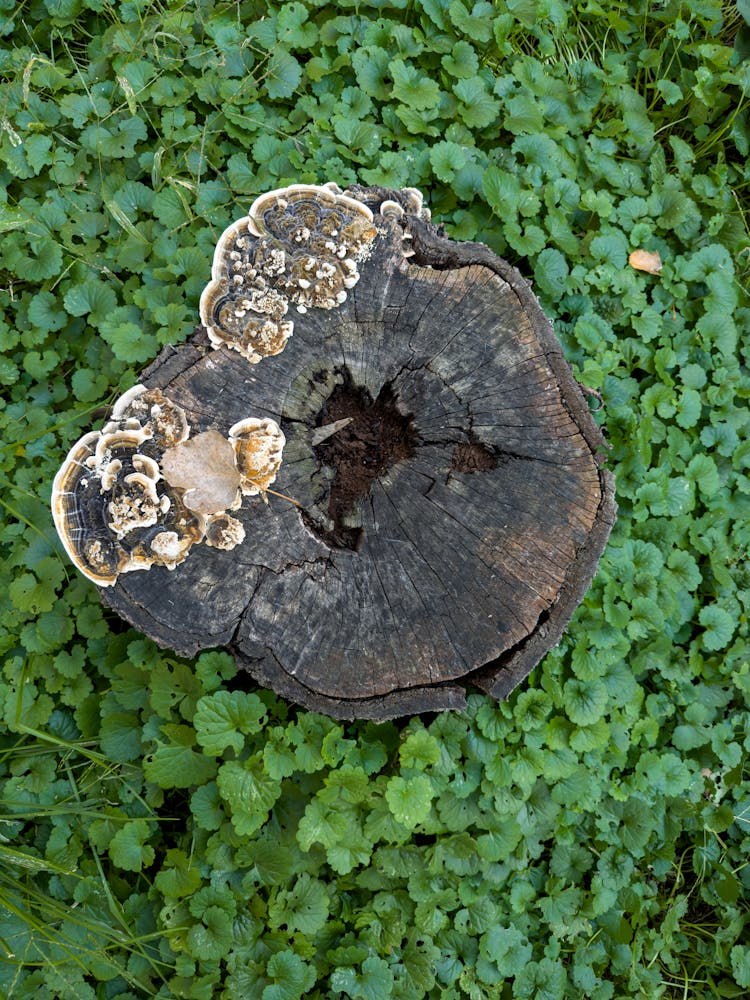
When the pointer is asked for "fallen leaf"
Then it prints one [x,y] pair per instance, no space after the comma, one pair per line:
[645,260]
[204,466]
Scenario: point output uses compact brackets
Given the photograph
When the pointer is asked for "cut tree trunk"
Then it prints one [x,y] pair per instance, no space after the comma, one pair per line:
[451,504]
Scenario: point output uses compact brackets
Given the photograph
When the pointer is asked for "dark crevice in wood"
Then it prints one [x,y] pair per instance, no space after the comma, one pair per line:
[264,572]
[509,655]
[472,456]
[377,437]
[433,249]
[502,674]
[504,457]
[449,386]
[338,537]
[401,701]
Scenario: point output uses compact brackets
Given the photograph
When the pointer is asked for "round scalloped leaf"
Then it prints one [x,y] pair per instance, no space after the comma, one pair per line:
[372,983]
[304,907]
[210,939]
[292,977]
[410,799]
[740,956]
[128,848]
[223,719]
[585,701]
[419,750]
[551,272]
[719,627]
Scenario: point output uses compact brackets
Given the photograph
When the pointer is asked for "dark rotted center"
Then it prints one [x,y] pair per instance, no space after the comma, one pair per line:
[377,437]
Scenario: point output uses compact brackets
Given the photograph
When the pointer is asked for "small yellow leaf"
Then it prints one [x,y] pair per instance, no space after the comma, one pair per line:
[645,260]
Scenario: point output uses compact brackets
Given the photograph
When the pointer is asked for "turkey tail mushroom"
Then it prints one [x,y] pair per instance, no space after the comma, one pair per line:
[141,492]
[298,245]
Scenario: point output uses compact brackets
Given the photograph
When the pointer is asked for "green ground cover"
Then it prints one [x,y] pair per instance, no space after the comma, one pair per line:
[166,830]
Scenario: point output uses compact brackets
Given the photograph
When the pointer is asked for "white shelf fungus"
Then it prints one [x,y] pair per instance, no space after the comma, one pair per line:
[299,246]
[258,445]
[224,532]
[141,492]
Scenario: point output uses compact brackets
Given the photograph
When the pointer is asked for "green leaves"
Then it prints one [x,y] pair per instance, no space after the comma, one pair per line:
[585,701]
[45,313]
[551,272]
[462,61]
[701,469]
[371,66]
[374,981]
[177,767]
[92,297]
[223,720]
[304,908]
[477,108]
[249,793]
[293,28]
[210,939]
[116,141]
[412,88]
[129,849]
[474,22]
[719,627]
[446,158]
[507,948]
[358,137]
[292,977]
[409,799]
[740,954]
[221,839]
[419,750]
[180,879]
[500,189]
[283,75]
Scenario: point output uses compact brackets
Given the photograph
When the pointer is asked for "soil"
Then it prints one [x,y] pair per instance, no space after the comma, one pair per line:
[378,436]
[472,456]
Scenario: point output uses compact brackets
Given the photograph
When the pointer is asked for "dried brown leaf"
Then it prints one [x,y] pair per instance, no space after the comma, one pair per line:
[645,260]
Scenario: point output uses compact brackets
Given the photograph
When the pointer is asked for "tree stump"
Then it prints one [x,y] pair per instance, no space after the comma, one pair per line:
[451,505]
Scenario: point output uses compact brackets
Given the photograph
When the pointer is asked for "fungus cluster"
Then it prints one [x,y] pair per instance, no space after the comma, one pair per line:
[411,203]
[299,245]
[141,492]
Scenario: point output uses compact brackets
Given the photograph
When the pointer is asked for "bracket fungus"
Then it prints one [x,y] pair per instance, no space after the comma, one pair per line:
[141,492]
[299,245]
[451,502]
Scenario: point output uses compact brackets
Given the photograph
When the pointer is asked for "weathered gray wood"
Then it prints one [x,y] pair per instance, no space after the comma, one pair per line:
[477,537]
